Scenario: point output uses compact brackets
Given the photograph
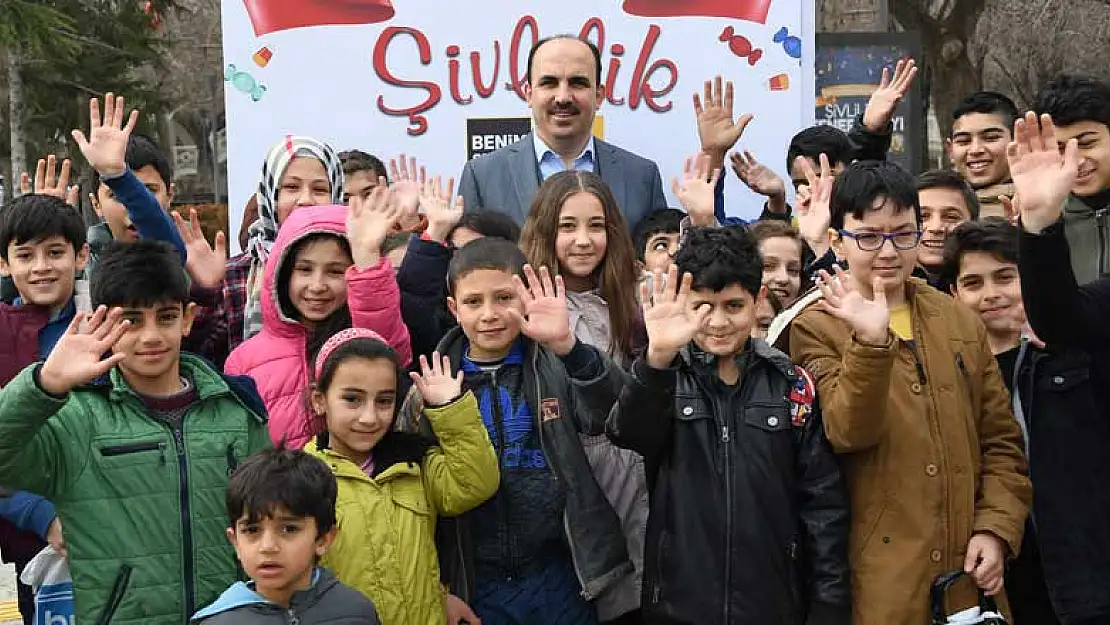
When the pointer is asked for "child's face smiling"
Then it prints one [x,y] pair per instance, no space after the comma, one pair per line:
[480,304]
[318,283]
[731,318]
[44,271]
[358,405]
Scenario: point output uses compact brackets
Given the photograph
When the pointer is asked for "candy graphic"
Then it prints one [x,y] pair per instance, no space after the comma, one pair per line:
[741,46]
[269,16]
[747,10]
[263,56]
[790,43]
[244,83]
[779,82]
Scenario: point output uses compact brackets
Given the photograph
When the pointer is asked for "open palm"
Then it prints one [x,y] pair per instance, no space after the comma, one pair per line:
[106,146]
[546,318]
[757,176]
[407,182]
[716,128]
[78,357]
[869,318]
[695,190]
[369,222]
[1043,177]
[668,318]
[206,265]
[435,383]
[814,214]
[891,91]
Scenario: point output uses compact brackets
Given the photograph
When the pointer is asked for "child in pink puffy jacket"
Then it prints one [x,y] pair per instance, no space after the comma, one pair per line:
[324,274]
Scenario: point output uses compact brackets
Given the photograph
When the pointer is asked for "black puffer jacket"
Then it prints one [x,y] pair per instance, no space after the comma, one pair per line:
[749,511]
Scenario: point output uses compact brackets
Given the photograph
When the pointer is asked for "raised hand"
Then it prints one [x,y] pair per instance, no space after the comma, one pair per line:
[406,187]
[814,213]
[369,222]
[869,318]
[668,319]
[435,383]
[78,357]
[48,181]
[716,128]
[1043,177]
[442,211]
[106,145]
[545,319]
[695,191]
[759,177]
[206,266]
[880,108]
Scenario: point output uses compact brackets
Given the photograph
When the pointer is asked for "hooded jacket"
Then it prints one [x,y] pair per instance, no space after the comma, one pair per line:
[327,602]
[386,542]
[276,357]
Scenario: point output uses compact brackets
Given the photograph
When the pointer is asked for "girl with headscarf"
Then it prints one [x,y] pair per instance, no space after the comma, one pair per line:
[297,172]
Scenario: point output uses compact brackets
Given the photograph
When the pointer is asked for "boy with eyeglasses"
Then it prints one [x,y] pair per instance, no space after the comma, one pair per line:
[913,401]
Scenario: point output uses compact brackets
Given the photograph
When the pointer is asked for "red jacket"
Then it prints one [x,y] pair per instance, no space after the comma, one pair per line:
[19,347]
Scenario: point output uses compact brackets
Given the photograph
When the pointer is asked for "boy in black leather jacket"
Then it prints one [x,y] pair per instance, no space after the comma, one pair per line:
[749,511]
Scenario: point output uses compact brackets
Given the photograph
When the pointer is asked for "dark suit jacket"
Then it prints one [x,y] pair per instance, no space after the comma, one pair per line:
[506,181]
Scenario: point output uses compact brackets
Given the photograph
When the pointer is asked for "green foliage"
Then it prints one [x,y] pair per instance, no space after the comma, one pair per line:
[80,49]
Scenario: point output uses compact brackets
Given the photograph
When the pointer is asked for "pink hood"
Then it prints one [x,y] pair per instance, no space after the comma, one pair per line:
[276,357]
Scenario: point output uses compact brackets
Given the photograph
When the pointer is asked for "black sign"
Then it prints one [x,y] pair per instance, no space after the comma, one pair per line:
[849,67]
[485,135]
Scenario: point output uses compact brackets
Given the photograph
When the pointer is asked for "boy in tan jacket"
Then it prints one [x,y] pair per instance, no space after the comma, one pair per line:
[914,404]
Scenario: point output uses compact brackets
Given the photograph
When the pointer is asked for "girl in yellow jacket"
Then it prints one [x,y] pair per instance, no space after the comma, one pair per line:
[392,484]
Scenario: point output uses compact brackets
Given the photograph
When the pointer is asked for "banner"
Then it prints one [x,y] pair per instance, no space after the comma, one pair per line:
[849,69]
[443,80]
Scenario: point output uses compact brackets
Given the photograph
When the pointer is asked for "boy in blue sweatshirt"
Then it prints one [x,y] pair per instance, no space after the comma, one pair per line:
[132,190]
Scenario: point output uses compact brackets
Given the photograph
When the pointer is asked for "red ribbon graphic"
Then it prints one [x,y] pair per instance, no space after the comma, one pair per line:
[747,10]
[268,16]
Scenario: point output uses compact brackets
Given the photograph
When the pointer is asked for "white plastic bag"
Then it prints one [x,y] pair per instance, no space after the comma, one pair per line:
[48,574]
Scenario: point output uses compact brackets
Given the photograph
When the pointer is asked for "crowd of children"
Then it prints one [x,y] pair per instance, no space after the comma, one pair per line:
[392,408]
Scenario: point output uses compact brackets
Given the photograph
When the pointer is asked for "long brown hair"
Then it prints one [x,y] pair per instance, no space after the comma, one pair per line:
[615,276]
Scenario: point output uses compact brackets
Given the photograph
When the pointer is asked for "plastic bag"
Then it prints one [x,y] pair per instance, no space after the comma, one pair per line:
[48,574]
[986,613]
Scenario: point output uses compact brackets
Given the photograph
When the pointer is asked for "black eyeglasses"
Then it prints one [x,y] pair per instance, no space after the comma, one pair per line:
[872,241]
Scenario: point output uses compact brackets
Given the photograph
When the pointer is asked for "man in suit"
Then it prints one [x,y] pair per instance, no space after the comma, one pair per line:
[564,91]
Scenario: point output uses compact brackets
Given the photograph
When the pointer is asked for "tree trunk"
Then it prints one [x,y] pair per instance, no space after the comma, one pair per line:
[16,118]
[851,16]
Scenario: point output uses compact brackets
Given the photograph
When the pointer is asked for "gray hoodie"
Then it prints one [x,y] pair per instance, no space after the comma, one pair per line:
[327,601]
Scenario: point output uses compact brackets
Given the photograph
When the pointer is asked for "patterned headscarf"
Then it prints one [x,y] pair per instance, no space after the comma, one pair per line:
[263,232]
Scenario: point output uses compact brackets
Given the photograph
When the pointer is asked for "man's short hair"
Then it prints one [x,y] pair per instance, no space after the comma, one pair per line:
[491,253]
[950,179]
[992,235]
[821,139]
[141,273]
[490,223]
[290,479]
[141,152]
[721,257]
[1072,98]
[666,221]
[592,46]
[33,218]
[354,161]
[857,188]
[988,103]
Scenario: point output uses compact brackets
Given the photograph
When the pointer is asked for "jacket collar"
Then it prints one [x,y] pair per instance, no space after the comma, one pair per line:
[344,467]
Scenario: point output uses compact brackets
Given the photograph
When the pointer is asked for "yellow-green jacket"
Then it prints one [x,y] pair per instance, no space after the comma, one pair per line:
[386,542]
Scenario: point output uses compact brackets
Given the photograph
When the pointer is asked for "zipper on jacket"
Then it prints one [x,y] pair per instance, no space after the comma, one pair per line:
[186,519]
[293,618]
[134,448]
[115,597]
[502,507]
[917,365]
[963,370]
[232,461]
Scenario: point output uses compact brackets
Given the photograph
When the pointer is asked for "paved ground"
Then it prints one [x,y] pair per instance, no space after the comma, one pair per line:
[7,587]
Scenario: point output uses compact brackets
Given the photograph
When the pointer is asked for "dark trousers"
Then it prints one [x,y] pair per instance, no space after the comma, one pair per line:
[26,596]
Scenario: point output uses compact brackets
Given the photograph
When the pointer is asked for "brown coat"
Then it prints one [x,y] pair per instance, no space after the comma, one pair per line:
[928,464]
